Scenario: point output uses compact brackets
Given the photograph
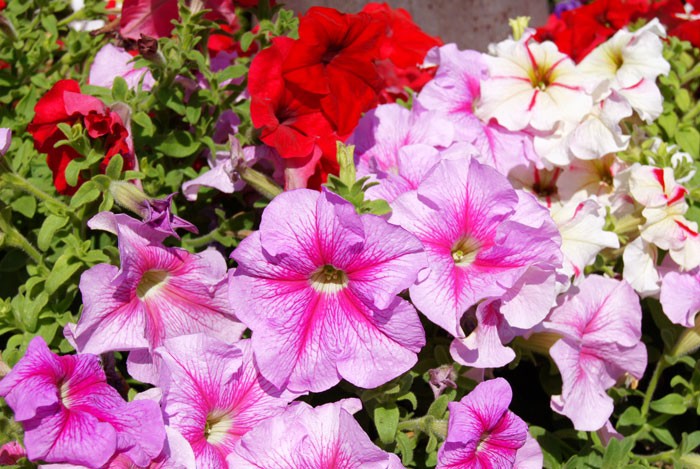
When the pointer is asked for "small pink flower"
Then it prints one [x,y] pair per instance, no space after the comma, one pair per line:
[71,415]
[482,432]
[601,329]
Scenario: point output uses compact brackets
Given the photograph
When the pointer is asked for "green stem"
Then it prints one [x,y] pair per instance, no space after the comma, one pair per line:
[15,239]
[660,367]
[260,182]
[426,424]
[666,455]
[694,111]
[22,184]
[690,75]
[75,16]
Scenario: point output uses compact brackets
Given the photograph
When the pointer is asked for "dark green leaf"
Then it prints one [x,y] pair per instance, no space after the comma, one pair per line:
[178,144]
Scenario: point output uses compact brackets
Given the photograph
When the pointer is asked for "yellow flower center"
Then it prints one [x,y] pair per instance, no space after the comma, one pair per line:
[150,280]
[328,279]
[465,250]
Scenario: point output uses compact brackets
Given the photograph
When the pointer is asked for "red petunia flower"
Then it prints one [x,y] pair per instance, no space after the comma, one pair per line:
[64,103]
[334,58]
[401,52]
[290,119]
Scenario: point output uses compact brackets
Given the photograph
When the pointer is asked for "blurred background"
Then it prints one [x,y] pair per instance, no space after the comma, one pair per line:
[472,24]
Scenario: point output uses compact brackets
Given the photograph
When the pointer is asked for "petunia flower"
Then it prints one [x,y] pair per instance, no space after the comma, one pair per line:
[318,286]
[481,431]
[455,93]
[157,293]
[5,140]
[601,328]
[71,415]
[680,296]
[483,240]
[532,85]
[304,437]
[111,62]
[334,59]
[11,452]
[213,394]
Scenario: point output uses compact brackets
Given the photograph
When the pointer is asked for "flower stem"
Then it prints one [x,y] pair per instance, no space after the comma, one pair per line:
[660,367]
[22,184]
[10,236]
[426,424]
[692,113]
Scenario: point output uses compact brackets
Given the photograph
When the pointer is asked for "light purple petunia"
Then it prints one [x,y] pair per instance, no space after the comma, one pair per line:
[71,415]
[601,329]
[111,62]
[318,286]
[396,146]
[5,140]
[454,94]
[680,296]
[157,293]
[213,394]
[327,436]
[482,432]
[483,240]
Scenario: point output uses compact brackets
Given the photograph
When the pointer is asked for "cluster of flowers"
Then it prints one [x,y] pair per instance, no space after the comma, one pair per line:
[308,93]
[578,28]
[504,187]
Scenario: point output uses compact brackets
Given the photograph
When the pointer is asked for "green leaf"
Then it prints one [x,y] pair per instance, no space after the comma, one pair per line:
[668,121]
[438,408]
[26,205]
[617,452]
[61,273]
[234,71]
[48,229]
[682,99]
[631,416]
[246,40]
[119,89]
[690,441]
[179,144]
[114,168]
[672,404]
[145,122]
[386,419]
[689,140]
[405,445]
[87,193]
[664,436]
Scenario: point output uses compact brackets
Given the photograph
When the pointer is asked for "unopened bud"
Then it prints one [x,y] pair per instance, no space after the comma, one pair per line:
[519,25]
[128,196]
[148,48]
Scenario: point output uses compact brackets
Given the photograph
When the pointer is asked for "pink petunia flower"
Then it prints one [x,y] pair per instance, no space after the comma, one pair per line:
[483,240]
[5,140]
[318,286]
[482,432]
[306,437]
[157,293]
[213,394]
[680,296]
[11,452]
[455,93]
[71,415]
[601,329]
[111,62]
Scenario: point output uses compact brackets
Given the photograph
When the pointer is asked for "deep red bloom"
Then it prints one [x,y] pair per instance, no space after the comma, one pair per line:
[290,119]
[334,58]
[581,30]
[401,52]
[65,104]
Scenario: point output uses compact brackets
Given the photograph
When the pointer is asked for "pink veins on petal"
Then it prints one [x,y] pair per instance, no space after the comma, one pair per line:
[318,286]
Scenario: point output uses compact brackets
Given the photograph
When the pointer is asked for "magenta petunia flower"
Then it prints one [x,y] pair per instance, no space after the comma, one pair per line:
[318,286]
[71,415]
[157,293]
[482,432]
[483,240]
[327,436]
[601,329]
[213,394]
